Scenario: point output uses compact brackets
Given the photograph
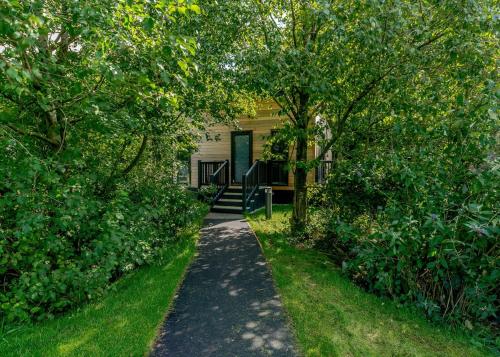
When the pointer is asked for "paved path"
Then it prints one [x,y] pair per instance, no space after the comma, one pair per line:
[227,305]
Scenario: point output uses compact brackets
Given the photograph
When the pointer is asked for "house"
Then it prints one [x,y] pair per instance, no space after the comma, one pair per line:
[231,159]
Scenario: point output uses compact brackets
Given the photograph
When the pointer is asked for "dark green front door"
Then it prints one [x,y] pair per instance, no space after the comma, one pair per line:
[241,154]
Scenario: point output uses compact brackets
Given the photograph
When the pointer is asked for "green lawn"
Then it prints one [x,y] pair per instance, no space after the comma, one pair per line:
[124,323]
[333,317]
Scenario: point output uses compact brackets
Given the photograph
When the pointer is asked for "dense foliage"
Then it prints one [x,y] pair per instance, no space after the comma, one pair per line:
[402,97]
[99,104]
[353,62]
[63,243]
[100,101]
[411,212]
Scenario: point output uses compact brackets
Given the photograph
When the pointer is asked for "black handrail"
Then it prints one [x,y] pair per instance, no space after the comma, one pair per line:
[323,170]
[220,179]
[251,181]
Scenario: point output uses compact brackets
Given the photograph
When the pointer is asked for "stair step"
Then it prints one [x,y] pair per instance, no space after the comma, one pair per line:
[231,194]
[226,202]
[234,189]
[233,208]
[226,209]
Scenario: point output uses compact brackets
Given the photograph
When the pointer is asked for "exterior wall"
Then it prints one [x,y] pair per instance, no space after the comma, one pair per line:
[328,135]
[216,145]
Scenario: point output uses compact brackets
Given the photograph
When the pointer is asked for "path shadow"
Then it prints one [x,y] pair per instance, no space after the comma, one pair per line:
[227,305]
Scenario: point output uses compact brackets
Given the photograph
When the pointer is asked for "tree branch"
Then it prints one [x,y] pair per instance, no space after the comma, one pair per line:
[432,40]
[137,157]
[31,133]
[342,120]
[81,96]
[282,107]
[294,23]
[367,90]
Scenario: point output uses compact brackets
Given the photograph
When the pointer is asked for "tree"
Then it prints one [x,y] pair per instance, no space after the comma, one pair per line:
[98,100]
[63,64]
[353,63]
[127,75]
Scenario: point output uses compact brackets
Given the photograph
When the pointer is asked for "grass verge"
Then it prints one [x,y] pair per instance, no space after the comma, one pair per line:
[123,323]
[333,317]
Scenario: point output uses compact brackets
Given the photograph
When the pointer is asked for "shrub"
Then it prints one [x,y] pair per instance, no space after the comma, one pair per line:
[419,223]
[207,193]
[62,243]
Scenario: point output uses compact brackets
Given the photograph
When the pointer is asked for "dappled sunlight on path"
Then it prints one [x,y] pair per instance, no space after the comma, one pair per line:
[227,304]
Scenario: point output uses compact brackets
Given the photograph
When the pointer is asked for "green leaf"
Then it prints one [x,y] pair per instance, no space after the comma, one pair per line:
[183,65]
[492,114]
[148,24]
[13,74]
[195,8]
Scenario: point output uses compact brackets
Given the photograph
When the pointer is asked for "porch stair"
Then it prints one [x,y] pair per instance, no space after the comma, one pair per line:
[229,198]
[230,202]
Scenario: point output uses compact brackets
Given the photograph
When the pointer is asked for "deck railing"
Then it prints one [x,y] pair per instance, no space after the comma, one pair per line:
[220,180]
[206,169]
[251,182]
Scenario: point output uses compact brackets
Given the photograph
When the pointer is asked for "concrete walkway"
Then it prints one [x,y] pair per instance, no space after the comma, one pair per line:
[227,305]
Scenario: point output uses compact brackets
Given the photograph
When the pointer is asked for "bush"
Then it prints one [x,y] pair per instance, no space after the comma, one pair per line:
[62,243]
[419,224]
[207,193]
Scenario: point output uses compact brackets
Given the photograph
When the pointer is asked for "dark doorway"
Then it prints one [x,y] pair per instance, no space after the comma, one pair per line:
[241,154]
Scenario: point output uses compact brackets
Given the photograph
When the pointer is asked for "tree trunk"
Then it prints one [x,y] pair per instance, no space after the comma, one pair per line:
[299,217]
[53,130]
